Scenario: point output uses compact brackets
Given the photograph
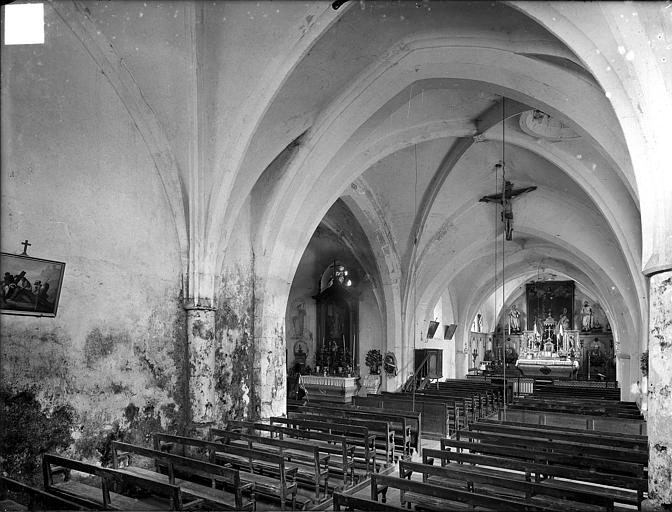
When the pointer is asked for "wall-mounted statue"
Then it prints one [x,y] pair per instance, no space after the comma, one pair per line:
[514,320]
[587,321]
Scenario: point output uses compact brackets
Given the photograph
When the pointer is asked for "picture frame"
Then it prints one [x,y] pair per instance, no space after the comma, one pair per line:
[30,286]
[548,297]
[433,325]
[449,331]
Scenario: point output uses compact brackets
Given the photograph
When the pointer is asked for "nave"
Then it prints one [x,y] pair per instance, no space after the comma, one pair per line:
[428,208]
[516,453]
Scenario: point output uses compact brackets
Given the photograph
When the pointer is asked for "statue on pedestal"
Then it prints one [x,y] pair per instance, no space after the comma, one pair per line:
[514,320]
[586,317]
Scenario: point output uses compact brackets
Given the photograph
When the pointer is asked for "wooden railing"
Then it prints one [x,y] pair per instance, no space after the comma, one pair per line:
[418,380]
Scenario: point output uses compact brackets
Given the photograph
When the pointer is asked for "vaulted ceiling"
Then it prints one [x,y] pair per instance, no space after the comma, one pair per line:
[401,109]
[404,107]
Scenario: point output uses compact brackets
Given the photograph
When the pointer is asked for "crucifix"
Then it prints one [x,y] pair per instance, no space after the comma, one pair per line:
[25,247]
[504,198]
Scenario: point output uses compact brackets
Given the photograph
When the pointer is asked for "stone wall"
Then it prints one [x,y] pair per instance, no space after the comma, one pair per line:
[79,183]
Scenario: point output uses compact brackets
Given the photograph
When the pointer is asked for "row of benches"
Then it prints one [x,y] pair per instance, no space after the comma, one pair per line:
[236,465]
[579,411]
[128,486]
[442,413]
[594,407]
[405,425]
[179,473]
[513,466]
[566,391]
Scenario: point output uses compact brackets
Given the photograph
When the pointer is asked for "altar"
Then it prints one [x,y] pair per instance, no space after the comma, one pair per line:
[552,368]
[553,354]
[329,388]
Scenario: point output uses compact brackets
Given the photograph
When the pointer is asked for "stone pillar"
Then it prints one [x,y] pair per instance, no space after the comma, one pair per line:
[202,350]
[461,364]
[660,392]
[623,375]
[271,372]
[270,358]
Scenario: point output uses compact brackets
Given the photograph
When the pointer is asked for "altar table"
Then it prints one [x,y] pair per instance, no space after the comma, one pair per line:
[547,367]
[328,388]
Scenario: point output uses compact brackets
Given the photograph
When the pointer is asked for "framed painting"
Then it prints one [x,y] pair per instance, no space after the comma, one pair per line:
[433,325]
[449,331]
[549,299]
[30,286]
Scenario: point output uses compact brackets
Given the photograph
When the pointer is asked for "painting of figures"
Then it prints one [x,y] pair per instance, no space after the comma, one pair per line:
[30,286]
[549,300]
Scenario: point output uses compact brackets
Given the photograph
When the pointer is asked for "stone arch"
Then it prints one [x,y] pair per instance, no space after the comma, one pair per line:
[317,175]
[639,96]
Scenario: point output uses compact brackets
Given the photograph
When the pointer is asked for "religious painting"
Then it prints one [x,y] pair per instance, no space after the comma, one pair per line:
[449,331]
[549,300]
[433,325]
[30,286]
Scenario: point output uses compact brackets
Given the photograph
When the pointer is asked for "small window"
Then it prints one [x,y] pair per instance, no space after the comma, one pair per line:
[24,24]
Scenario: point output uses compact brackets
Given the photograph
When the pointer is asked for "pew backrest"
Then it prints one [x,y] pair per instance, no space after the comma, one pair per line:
[102,497]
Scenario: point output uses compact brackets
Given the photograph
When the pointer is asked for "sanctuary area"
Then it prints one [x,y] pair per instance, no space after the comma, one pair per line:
[361,254]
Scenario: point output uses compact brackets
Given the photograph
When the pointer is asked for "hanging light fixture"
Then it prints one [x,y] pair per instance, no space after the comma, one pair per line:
[504,236]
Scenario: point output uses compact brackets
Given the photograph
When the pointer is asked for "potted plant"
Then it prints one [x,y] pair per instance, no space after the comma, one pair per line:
[510,356]
[374,360]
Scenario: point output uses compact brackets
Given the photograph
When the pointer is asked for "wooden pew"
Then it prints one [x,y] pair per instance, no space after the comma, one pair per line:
[384,434]
[504,484]
[550,390]
[624,489]
[342,451]
[436,414]
[612,406]
[555,443]
[606,402]
[577,407]
[489,395]
[90,497]
[312,466]
[471,385]
[251,464]
[474,404]
[358,497]
[360,436]
[627,441]
[407,422]
[344,501]
[575,421]
[35,499]
[451,412]
[229,497]
[549,455]
[441,498]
